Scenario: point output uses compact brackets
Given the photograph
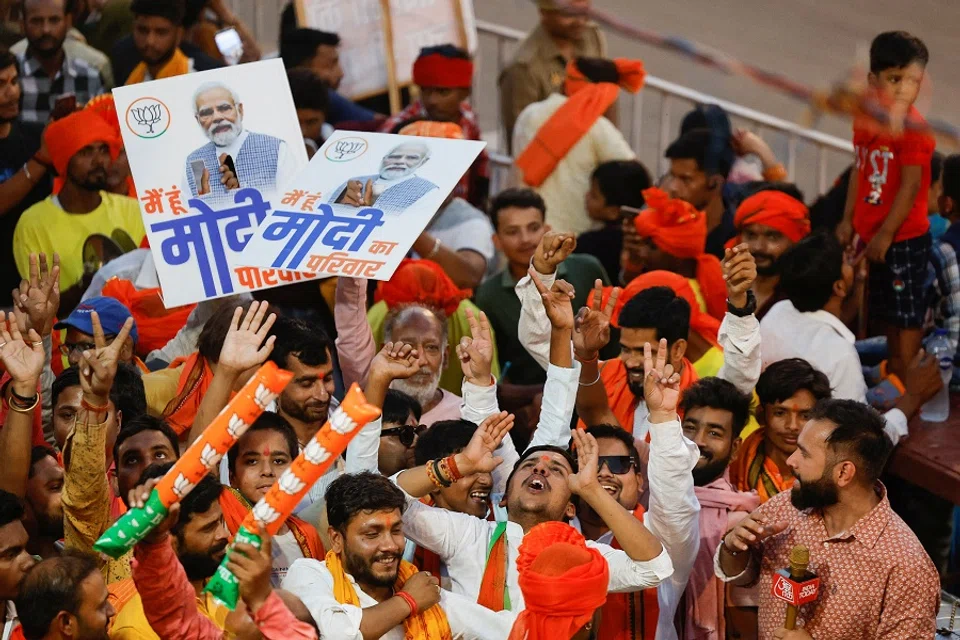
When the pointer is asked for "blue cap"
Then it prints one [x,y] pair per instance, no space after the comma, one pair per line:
[112,316]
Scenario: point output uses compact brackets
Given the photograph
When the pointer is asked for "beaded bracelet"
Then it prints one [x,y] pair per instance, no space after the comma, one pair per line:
[442,473]
[432,475]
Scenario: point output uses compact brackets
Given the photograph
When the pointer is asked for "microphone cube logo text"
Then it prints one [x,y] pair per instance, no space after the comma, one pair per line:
[794,592]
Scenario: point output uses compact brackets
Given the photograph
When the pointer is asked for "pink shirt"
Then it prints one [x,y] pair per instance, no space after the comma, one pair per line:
[170,602]
[447,409]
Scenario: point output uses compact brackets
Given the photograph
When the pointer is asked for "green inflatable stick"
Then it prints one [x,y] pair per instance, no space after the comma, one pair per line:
[132,527]
[224,586]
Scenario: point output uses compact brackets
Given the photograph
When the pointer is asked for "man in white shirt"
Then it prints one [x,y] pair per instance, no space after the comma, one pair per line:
[258,160]
[363,589]
[819,283]
[739,337]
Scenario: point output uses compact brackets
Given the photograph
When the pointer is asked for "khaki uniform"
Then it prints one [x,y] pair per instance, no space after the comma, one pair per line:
[539,69]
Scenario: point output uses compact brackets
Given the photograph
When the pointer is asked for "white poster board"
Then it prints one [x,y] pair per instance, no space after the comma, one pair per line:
[415,24]
[196,226]
[316,228]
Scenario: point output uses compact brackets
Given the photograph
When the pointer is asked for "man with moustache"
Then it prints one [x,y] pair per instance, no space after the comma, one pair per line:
[876,579]
[396,187]
[82,147]
[788,390]
[43,512]
[714,414]
[820,285]
[363,589]
[15,560]
[200,539]
[49,72]
[770,222]
[260,161]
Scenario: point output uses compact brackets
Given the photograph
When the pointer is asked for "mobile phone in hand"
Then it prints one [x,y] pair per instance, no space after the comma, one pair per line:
[628,213]
[63,106]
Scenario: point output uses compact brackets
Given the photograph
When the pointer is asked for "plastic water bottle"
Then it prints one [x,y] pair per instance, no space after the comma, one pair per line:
[937,409]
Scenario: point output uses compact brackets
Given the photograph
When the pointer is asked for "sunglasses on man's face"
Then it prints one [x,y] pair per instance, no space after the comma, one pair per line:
[407,433]
[618,465]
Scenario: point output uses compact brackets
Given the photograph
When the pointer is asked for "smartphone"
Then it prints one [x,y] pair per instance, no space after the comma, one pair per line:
[232,167]
[63,106]
[628,213]
[197,167]
[230,46]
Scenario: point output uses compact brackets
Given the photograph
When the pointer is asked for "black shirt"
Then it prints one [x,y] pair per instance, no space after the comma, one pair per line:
[125,58]
[18,147]
[605,245]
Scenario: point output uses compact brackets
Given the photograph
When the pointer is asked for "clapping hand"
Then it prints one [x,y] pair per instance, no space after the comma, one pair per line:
[553,249]
[247,345]
[99,366]
[740,272]
[661,384]
[37,300]
[395,361]
[557,301]
[22,359]
[592,325]
[477,456]
[476,352]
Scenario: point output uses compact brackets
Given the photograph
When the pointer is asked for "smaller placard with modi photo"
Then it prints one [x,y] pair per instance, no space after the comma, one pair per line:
[360,204]
[210,152]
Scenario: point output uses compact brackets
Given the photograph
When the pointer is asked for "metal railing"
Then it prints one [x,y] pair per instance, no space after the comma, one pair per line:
[650,121]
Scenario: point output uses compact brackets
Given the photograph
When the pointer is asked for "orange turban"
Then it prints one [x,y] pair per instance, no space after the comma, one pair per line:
[424,282]
[586,102]
[776,210]
[678,229]
[104,106]
[703,323]
[563,583]
[67,136]
[432,129]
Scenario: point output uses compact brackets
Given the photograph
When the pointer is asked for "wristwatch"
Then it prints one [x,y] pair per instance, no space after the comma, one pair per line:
[742,312]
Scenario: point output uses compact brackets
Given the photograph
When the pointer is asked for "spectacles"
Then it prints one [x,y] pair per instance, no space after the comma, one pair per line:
[618,465]
[407,433]
[70,347]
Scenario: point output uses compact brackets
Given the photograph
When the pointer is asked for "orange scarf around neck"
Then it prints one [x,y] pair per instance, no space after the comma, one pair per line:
[177,65]
[753,470]
[235,509]
[586,103]
[426,625]
[195,378]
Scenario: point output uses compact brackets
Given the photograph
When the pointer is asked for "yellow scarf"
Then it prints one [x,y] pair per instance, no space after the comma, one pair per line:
[427,625]
[178,65]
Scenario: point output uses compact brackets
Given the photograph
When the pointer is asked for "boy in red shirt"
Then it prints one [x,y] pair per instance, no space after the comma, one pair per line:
[887,200]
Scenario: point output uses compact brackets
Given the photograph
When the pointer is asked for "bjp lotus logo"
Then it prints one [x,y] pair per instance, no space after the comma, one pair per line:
[148,118]
[345,149]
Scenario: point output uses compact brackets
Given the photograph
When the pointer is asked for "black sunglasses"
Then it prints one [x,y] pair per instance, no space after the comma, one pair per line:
[407,433]
[618,465]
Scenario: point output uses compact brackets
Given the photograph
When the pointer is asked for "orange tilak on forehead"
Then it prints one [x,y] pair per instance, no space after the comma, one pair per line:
[545,458]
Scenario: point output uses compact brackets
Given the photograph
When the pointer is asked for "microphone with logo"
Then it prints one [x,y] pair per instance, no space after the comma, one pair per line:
[796,586]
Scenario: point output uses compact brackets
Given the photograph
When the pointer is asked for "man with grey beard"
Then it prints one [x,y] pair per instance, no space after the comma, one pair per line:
[425,329]
[235,157]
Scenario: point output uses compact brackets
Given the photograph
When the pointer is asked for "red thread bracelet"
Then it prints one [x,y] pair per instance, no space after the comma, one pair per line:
[454,471]
[406,597]
[90,407]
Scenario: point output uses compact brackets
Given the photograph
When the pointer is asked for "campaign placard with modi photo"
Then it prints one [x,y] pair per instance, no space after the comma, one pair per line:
[210,153]
[360,204]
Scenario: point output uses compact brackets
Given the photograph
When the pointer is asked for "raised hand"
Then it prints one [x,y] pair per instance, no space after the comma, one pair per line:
[137,498]
[557,302]
[591,328]
[553,249]
[396,361]
[247,344]
[99,367]
[37,300]
[477,456]
[252,568]
[661,384]
[22,359]
[585,479]
[740,272]
[476,352]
